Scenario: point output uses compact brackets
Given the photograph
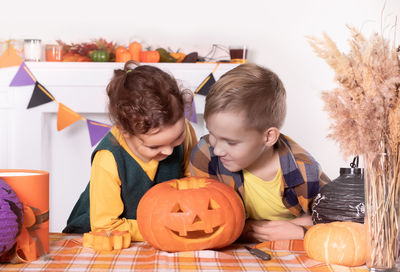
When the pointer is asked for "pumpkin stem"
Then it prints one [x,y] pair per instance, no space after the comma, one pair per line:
[185,184]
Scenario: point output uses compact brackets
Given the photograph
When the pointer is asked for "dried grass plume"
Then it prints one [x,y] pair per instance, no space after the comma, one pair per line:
[365,107]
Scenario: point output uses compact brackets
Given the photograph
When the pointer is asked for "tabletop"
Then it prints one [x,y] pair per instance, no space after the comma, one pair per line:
[67,254]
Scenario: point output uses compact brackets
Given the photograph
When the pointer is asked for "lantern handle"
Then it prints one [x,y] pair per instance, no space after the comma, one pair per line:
[354,163]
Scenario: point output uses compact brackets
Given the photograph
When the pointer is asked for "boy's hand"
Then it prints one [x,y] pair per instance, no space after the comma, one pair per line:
[263,230]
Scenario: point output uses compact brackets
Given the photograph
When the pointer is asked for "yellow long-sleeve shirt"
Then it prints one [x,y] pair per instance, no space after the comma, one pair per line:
[105,185]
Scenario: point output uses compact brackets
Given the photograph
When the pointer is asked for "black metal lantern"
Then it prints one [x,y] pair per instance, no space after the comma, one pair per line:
[343,198]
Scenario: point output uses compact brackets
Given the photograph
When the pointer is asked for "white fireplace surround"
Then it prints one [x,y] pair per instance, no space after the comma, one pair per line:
[29,138]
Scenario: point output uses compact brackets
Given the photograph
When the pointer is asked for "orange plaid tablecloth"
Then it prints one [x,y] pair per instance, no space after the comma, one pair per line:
[67,254]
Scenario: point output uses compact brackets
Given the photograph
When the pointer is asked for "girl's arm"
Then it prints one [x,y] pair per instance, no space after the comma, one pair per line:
[105,197]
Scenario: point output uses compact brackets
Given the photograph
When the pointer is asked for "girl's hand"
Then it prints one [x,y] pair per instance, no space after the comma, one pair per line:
[263,230]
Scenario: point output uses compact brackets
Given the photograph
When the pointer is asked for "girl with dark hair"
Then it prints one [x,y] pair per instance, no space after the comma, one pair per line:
[150,142]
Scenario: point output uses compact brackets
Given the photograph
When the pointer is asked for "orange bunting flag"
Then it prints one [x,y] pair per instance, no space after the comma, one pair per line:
[10,57]
[66,117]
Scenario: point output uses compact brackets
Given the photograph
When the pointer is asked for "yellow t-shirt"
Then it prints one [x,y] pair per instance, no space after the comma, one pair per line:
[105,186]
[263,198]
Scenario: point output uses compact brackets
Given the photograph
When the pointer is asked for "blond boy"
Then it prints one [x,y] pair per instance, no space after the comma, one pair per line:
[276,178]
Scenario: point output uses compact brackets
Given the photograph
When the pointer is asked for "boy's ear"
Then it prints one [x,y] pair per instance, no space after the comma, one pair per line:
[271,136]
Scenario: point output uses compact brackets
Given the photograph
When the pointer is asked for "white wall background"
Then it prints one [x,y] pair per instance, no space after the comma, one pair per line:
[274,32]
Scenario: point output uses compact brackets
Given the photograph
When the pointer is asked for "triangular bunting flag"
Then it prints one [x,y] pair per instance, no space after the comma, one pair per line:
[66,117]
[10,57]
[40,96]
[205,86]
[23,77]
[190,113]
[97,131]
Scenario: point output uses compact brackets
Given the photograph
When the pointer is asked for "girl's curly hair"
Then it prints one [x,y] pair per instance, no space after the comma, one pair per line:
[143,97]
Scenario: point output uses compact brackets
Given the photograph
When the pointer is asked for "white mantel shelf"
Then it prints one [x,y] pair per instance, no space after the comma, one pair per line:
[29,138]
[48,72]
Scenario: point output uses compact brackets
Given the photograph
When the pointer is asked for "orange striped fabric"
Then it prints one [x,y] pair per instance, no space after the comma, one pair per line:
[67,254]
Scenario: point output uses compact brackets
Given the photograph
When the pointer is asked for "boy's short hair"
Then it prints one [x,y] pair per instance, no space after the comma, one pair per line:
[254,90]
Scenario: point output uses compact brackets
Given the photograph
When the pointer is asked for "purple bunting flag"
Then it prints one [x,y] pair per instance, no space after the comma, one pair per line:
[23,77]
[97,131]
[190,113]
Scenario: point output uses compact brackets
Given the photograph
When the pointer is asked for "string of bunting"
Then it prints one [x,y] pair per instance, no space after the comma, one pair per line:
[65,115]
[202,89]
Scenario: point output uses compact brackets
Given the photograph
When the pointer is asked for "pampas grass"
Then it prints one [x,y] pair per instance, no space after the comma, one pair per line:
[365,114]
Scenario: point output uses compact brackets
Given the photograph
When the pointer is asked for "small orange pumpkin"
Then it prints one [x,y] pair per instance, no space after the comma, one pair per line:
[149,56]
[134,49]
[178,55]
[342,243]
[191,213]
[122,54]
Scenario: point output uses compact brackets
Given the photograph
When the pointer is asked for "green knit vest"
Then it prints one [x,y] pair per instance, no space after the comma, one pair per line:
[134,183]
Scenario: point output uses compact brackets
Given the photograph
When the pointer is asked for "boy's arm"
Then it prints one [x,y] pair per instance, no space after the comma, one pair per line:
[200,160]
[264,230]
[323,178]
[306,192]
[304,220]
[105,197]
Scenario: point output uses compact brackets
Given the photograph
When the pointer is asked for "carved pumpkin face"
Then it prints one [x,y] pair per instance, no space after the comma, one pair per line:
[190,214]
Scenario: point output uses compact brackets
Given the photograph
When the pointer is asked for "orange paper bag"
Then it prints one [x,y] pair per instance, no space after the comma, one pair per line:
[32,189]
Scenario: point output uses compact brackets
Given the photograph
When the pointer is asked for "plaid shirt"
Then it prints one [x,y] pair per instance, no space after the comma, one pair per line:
[301,180]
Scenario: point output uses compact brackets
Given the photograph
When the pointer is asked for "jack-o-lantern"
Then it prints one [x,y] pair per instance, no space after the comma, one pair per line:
[190,214]
[342,243]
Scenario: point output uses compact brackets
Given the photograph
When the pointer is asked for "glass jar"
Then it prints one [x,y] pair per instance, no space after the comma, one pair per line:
[238,53]
[54,52]
[32,49]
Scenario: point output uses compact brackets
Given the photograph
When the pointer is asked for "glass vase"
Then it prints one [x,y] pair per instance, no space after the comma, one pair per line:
[382,211]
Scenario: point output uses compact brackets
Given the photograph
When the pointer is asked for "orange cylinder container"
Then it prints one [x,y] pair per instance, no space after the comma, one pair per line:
[54,52]
[32,189]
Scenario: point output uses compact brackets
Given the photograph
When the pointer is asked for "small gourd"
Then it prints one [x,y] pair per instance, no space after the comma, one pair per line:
[134,49]
[122,54]
[101,55]
[165,56]
[342,243]
[149,56]
[179,56]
